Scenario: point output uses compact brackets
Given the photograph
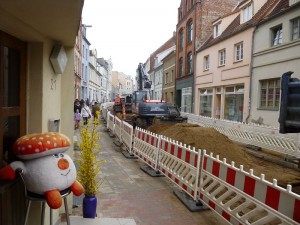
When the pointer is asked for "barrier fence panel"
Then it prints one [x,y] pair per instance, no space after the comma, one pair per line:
[127,136]
[253,134]
[118,128]
[180,164]
[145,147]
[111,122]
[243,198]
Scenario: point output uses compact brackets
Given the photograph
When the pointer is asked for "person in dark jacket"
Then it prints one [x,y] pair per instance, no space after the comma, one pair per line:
[77,105]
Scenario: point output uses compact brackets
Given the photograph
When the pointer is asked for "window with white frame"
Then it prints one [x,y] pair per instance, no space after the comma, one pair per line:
[277,35]
[206,62]
[247,13]
[270,94]
[222,57]
[186,100]
[295,28]
[217,30]
[239,51]
[171,77]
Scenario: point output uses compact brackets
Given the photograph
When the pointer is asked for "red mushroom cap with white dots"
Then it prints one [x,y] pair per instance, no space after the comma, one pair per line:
[33,146]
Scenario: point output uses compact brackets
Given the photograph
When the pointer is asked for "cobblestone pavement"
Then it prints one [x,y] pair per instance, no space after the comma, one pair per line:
[128,192]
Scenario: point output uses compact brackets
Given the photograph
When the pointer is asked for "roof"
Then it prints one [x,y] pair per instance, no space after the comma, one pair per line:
[236,27]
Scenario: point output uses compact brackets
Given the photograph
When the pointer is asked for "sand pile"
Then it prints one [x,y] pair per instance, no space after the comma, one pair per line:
[219,144]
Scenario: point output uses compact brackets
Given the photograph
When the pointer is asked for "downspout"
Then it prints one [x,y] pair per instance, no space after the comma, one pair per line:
[251,75]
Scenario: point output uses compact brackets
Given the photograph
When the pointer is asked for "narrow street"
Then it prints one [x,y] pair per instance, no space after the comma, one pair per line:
[128,192]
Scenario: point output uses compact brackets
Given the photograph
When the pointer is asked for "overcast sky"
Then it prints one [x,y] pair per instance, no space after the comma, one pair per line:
[128,31]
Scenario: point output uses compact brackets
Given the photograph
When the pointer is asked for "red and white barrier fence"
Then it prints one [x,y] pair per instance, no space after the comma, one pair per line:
[236,195]
[118,128]
[243,198]
[111,122]
[145,147]
[127,136]
[180,164]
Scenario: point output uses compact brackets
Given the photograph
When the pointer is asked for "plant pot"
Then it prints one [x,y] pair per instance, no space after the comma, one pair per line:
[89,206]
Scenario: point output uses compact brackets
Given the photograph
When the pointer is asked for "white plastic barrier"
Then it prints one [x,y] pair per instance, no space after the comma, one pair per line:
[181,165]
[145,147]
[243,198]
[253,134]
[118,128]
[111,122]
[127,136]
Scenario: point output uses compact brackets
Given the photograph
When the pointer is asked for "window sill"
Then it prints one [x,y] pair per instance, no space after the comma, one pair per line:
[238,61]
[205,70]
[221,65]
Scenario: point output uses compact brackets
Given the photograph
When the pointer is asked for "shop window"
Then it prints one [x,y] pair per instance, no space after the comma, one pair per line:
[270,94]
[206,102]
[186,100]
[234,103]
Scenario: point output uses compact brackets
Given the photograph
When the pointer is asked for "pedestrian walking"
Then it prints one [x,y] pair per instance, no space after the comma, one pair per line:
[85,113]
[77,118]
[77,105]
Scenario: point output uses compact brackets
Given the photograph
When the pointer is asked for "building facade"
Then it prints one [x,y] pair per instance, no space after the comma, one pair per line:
[77,64]
[169,76]
[193,28]
[85,89]
[224,63]
[95,77]
[123,84]
[36,93]
[276,51]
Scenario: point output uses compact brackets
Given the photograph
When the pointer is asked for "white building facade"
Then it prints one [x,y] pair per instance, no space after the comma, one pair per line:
[95,77]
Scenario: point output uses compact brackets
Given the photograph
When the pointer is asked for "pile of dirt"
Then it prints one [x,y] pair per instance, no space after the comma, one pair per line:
[213,141]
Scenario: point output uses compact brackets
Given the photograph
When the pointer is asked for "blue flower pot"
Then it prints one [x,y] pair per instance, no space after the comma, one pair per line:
[89,206]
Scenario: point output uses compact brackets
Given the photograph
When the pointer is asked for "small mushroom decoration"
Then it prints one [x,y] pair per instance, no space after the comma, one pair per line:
[47,169]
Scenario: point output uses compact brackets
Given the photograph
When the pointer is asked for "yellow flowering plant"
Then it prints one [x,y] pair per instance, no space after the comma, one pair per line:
[88,161]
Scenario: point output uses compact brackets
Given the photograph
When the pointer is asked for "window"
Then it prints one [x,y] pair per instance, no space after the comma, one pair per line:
[206,102]
[190,62]
[270,94]
[180,67]
[277,35]
[239,51]
[166,78]
[181,39]
[217,30]
[234,103]
[206,62]
[247,13]
[222,57]
[190,32]
[171,78]
[296,29]
[186,100]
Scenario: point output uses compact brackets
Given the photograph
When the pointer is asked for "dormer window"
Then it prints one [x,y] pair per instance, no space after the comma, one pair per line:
[247,13]
[217,30]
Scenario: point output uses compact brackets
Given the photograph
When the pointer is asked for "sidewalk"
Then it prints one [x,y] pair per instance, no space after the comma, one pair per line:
[128,192]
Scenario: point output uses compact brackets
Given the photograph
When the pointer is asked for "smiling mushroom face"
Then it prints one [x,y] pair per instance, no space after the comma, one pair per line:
[33,146]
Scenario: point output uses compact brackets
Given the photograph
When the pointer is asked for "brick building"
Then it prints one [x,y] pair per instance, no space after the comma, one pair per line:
[193,28]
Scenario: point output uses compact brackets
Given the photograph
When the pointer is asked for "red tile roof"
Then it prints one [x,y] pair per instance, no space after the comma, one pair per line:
[236,27]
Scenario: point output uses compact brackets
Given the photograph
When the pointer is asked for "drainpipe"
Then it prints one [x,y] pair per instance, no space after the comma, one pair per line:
[251,75]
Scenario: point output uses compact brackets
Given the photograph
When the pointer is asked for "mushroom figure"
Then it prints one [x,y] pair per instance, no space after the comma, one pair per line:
[46,169]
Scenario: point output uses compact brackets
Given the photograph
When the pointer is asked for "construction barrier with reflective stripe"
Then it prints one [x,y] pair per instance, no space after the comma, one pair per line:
[127,136]
[180,164]
[145,147]
[118,128]
[111,122]
[243,198]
